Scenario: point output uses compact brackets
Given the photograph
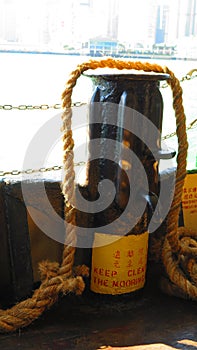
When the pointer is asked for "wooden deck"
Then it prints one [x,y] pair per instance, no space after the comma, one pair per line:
[153,321]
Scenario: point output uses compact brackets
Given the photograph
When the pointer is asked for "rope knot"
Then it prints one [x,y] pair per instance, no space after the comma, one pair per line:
[48,270]
[55,278]
[75,285]
[81,270]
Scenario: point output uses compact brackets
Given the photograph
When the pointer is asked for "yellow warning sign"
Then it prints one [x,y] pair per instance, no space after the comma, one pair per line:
[189,201]
[118,263]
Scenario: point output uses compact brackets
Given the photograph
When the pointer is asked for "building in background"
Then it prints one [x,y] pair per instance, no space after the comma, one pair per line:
[113,19]
[76,24]
[152,13]
[8,21]
[191,18]
[78,17]
[104,38]
[162,24]
[186,42]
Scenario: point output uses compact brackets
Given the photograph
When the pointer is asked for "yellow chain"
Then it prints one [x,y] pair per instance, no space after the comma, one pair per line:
[192,125]
[3,173]
[190,75]
[32,171]
[42,107]
[8,107]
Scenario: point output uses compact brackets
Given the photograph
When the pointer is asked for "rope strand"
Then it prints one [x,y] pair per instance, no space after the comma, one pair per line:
[179,245]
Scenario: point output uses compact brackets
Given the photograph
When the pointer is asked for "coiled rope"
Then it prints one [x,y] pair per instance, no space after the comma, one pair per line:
[179,252]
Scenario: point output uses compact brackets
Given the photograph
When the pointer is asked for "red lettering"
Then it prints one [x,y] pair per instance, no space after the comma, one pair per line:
[131,273]
[114,284]
[139,280]
[136,272]
[96,270]
[102,272]
[128,283]
[116,254]
[100,282]
[130,253]
[117,264]
[122,283]
[107,273]
[113,273]
[106,283]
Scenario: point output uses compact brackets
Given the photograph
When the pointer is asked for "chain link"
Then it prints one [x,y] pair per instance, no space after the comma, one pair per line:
[190,75]
[192,125]
[40,170]
[3,173]
[8,107]
[42,107]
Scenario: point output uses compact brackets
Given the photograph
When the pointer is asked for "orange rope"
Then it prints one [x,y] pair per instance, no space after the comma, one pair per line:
[176,250]
[173,246]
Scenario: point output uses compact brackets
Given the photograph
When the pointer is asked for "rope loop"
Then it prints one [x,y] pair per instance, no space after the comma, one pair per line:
[179,249]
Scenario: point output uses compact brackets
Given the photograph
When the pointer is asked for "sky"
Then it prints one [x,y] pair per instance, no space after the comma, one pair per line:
[133,17]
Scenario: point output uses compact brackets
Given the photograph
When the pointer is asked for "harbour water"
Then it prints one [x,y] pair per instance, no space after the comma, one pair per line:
[35,79]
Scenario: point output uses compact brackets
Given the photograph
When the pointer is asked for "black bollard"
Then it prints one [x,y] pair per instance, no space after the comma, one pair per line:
[121,104]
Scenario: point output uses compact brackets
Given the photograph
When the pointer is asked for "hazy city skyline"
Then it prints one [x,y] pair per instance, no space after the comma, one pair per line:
[57,23]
